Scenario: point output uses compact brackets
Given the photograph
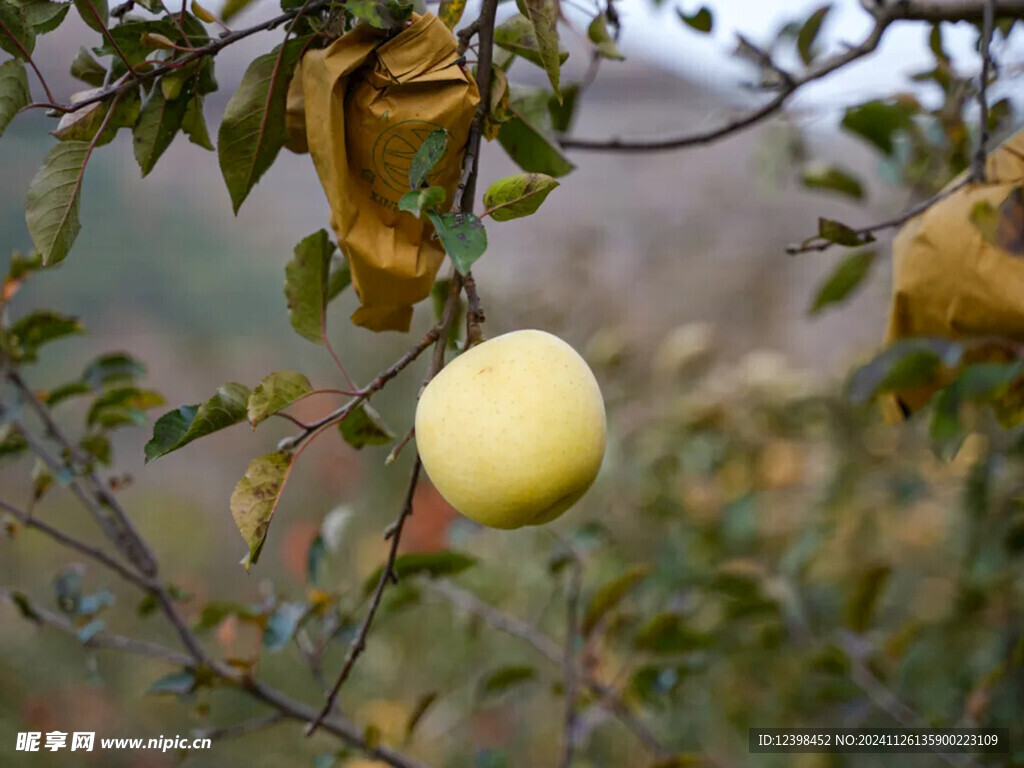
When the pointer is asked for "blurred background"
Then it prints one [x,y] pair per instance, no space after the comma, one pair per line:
[796,562]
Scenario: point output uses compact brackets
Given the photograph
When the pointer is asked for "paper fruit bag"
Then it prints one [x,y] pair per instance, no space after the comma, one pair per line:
[950,280]
[363,106]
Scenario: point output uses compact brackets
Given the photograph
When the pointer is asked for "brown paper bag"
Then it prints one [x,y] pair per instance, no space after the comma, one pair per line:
[949,281]
[363,106]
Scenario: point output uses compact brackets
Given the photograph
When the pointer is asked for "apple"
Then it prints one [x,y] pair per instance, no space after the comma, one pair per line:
[512,432]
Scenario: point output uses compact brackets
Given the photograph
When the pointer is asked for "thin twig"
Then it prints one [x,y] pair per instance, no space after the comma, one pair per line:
[66,540]
[42,617]
[884,15]
[241,728]
[818,243]
[401,444]
[980,155]
[608,698]
[387,574]
[210,49]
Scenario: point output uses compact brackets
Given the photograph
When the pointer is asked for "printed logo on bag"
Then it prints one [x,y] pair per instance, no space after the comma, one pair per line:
[394,150]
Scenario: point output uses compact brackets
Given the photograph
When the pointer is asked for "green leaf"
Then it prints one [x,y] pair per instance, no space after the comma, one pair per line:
[110,368]
[133,37]
[503,679]
[1002,227]
[907,364]
[193,124]
[515,196]
[463,237]
[24,606]
[159,122]
[436,565]
[275,393]
[95,13]
[90,630]
[124,405]
[701,20]
[51,208]
[12,441]
[97,446]
[517,35]
[877,122]
[42,15]
[281,626]
[422,705]
[844,280]
[610,595]
[382,14]
[340,279]
[65,392]
[808,34]
[180,427]
[212,614]
[832,179]
[255,499]
[668,633]
[841,234]
[562,115]
[176,683]
[427,157]
[451,11]
[528,138]
[602,39]
[87,69]
[979,383]
[38,328]
[253,130]
[417,200]
[232,8]
[12,16]
[543,14]
[14,91]
[306,285]
[364,426]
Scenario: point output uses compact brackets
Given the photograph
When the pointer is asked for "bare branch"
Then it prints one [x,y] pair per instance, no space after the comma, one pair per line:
[66,540]
[42,617]
[932,11]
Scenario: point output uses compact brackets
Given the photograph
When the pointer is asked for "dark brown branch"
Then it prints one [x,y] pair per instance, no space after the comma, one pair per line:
[932,11]
[818,243]
[981,153]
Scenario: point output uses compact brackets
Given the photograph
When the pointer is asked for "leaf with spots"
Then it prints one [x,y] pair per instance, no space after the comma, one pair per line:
[255,499]
[463,237]
[516,196]
[275,393]
[451,11]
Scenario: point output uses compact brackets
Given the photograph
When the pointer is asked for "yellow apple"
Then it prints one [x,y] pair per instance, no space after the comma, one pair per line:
[512,432]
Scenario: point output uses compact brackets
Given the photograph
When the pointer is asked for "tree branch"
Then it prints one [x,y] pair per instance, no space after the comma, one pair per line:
[42,617]
[932,11]
[608,698]
[210,49]
[818,243]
